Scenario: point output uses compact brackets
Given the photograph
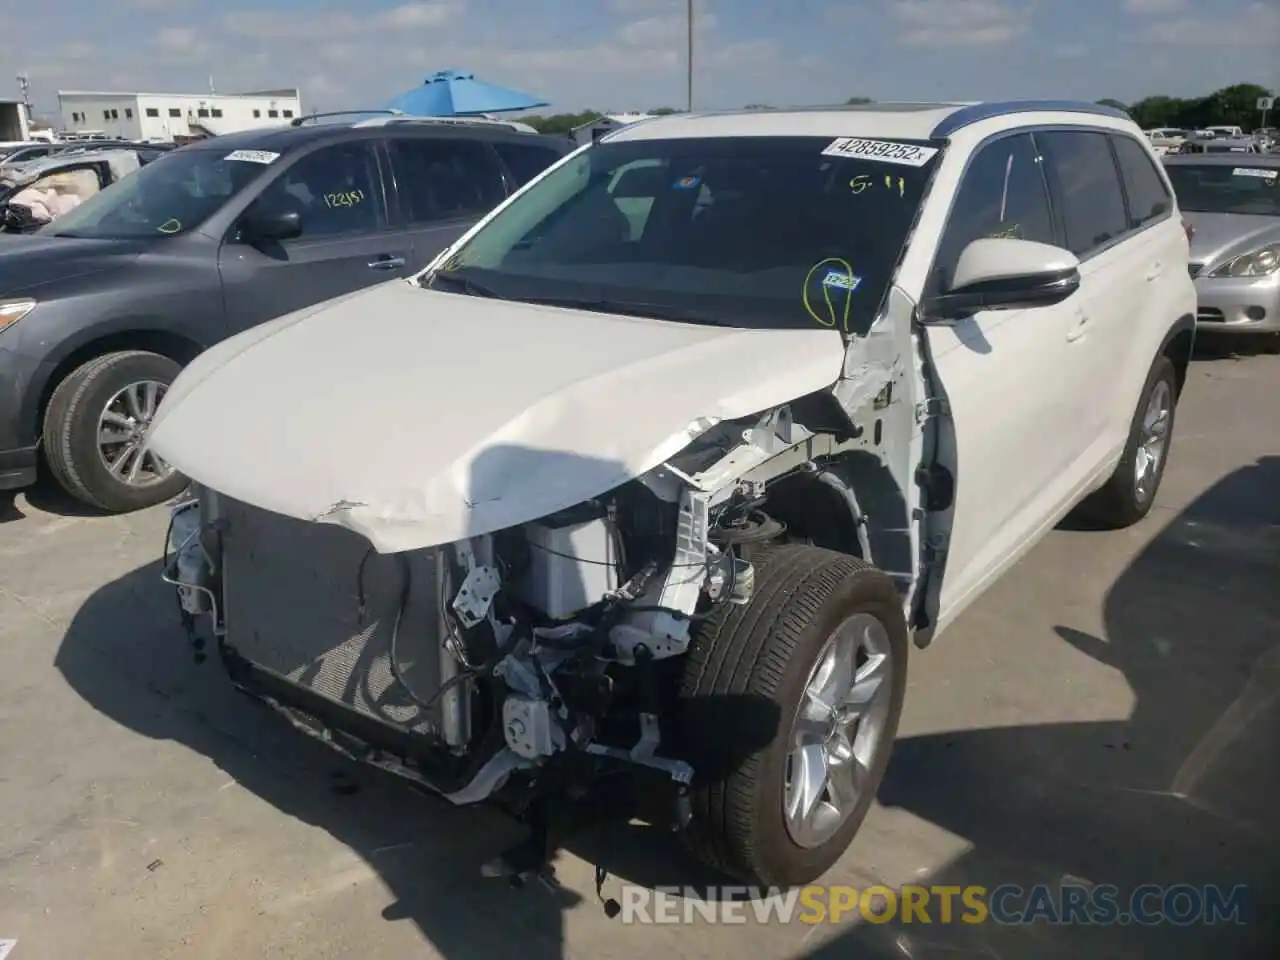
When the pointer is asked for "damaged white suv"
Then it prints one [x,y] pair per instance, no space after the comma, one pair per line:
[659,469]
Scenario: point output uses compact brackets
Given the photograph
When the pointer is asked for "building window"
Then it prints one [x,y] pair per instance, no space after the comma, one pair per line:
[106,114]
[175,111]
[273,113]
[152,112]
[202,112]
[216,111]
[115,114]
[257,114]
[288,113]
[75,117]
[128,113]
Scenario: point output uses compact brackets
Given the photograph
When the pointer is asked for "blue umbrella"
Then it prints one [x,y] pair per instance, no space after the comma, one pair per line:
[452,93]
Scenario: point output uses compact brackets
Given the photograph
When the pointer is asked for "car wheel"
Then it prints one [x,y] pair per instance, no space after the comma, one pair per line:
[788,710]
[1130,493]
[94,427]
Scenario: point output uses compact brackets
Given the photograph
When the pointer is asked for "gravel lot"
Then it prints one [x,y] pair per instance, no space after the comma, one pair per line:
[1110,711]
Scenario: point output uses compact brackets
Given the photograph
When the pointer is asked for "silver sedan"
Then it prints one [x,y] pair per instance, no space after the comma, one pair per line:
[1232,203]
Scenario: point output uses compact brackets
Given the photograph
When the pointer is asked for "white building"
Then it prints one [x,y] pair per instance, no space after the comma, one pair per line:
[596,129]
[164,116]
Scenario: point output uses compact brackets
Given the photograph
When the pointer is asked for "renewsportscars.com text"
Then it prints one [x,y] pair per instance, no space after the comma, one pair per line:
[1007,905]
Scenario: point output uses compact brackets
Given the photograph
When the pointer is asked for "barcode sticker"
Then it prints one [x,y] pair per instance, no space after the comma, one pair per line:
[884,151]
[253,156]
[1258,172]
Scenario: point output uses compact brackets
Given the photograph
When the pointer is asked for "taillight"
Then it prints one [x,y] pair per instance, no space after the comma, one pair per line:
[1188,229]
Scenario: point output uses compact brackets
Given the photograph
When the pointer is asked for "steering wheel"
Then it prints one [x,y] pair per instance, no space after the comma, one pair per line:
[18,217]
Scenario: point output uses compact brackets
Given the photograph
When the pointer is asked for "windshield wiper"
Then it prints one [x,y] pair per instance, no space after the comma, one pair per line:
[627,308]
[462,284]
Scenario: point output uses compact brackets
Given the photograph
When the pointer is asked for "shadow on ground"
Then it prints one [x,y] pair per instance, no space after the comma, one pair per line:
[1184,791]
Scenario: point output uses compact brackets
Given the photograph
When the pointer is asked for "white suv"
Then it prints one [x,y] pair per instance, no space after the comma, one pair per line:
[663,466]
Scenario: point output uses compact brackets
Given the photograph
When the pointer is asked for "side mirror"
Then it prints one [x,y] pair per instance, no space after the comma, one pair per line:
[1004,274]
[272,226]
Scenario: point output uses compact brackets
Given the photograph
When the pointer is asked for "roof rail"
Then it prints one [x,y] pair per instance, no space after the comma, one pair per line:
[450,121]
[299,121]
[978,112]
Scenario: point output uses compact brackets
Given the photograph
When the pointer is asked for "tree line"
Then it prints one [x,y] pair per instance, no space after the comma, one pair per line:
[1236,106]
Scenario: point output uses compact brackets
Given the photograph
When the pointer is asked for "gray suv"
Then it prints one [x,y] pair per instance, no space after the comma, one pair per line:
[102,308]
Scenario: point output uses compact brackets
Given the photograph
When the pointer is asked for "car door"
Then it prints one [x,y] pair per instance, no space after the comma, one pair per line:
[444,182]
[1007,376]
[1118,269]
[347,240]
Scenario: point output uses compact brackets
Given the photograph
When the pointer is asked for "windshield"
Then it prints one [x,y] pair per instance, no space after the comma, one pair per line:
[172,195]
[1221,188]
[767,232]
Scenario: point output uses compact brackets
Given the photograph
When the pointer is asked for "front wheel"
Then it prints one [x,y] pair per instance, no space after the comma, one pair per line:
[94,429]
[788,710]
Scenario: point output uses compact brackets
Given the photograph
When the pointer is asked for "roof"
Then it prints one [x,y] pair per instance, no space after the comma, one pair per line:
[903,121]
[1271,160]
[285,138]
[126,94]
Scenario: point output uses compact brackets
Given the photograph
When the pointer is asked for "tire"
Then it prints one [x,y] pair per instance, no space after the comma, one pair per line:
[71,431]
[743,688]
[1120,503]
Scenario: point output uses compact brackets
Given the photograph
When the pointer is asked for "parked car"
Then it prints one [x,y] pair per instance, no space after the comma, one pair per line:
[663,466]
[1233,203]
[101,308]
[1226,132]
[36,193]
[1166,139]
[1221,145]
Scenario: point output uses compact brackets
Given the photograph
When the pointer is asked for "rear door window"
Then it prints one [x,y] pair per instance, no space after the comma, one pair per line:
[445,178]
[1149,198]
[1086,188]
[1002,195]
[525,161]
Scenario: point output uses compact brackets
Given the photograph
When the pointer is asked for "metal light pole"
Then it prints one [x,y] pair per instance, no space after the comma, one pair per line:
[689,57]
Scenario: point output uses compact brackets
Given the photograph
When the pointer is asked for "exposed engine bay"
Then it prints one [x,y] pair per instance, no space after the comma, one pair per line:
[474,667]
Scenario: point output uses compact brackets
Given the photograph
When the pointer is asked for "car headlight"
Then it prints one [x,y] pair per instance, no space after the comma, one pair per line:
[1259,263]
[11,311]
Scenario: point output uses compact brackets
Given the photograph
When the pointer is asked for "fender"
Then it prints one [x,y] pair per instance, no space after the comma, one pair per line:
[113,333]
[1184,324]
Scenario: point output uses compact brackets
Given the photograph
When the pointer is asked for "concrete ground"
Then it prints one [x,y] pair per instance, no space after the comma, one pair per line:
[1108,712]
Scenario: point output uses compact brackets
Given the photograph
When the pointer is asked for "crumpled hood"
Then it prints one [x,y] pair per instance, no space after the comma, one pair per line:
[1222,236]
[418,417]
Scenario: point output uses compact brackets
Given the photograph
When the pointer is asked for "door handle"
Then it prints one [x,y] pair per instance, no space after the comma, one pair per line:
[1079,327]
[1154,271]
[386,262]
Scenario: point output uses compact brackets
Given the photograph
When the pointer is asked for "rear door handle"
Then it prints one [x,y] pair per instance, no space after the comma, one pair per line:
[1154,271]
[386,262]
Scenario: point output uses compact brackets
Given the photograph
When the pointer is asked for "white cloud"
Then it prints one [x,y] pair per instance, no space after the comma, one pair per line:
[661,31]
[177,39]
[1142,8]
[1258,25]
[960,23]
[329,26]
[1070,51]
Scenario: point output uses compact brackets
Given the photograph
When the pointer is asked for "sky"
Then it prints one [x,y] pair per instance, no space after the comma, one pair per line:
[630,54]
